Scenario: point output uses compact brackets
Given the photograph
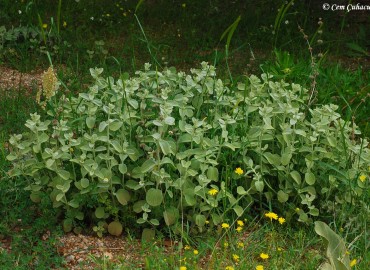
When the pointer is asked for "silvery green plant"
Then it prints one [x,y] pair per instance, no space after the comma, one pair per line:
[153,146]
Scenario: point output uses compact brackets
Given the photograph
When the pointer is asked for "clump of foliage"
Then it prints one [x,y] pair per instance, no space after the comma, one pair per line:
[169,148]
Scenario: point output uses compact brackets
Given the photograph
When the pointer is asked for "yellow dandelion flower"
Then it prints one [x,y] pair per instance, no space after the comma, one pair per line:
[213,192]
[239,229]
[271,215]
[240,223]
[240,244]
[225,225]
[183,268]
[281,220]
[264,256]
[353,262]
[44,26]
[259,267]
[196,252]
[239,171]
[207,222]
[236,258]
[64,24]
[226,244]
[229,268]
[362,178]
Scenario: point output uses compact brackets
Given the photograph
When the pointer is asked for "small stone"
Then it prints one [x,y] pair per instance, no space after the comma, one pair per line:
[70,258]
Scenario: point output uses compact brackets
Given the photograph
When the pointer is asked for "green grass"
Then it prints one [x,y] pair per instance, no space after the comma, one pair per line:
[172,39]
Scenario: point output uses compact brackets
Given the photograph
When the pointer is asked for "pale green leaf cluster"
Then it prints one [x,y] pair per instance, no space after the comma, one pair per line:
[152,146]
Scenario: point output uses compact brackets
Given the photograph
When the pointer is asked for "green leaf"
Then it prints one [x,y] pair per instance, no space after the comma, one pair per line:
[84,182]
[200,220]
[154,197]
[90,121]
[165,147]
[336,248]
[122,168]
[241,191]
[99,212]
[238,210]
[154,221]
[115,228]
[64,174]
[310,178]
[171,215]
[212,173]
[259,185]
[147,235]
[123,196]
[282,196]
[296,177]
[273,159]
[116,125]
[102,126]
[137,207]
[148,165]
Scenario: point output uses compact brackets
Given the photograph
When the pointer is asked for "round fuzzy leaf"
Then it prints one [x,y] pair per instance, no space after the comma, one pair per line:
[84,182]
[241,191]
[296,176]
[90,121]
[238,210]
[310,178]
[200,220]
[212,173]
[154,197]
[35,197]
[282,196]
[137,207]
[123,196]
[259,185]
[147,235]
[67,225]
[171,215]
[122,168]
[99,212]
[115,228]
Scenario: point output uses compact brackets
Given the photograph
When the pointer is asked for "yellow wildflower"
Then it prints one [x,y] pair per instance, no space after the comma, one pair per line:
[259,267]
[271,215]
[239,229]
[213,192]
[207,221]
[225,225]
[186,247]
[239,171]
[240,244]
[240,223]
[362,178]
[64,24]
[229,268]
[264,256]
[44,26]
[353,263]
[279,249]
[281,220]
[196,252]
[226,244]
[183,268]
[236,258]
